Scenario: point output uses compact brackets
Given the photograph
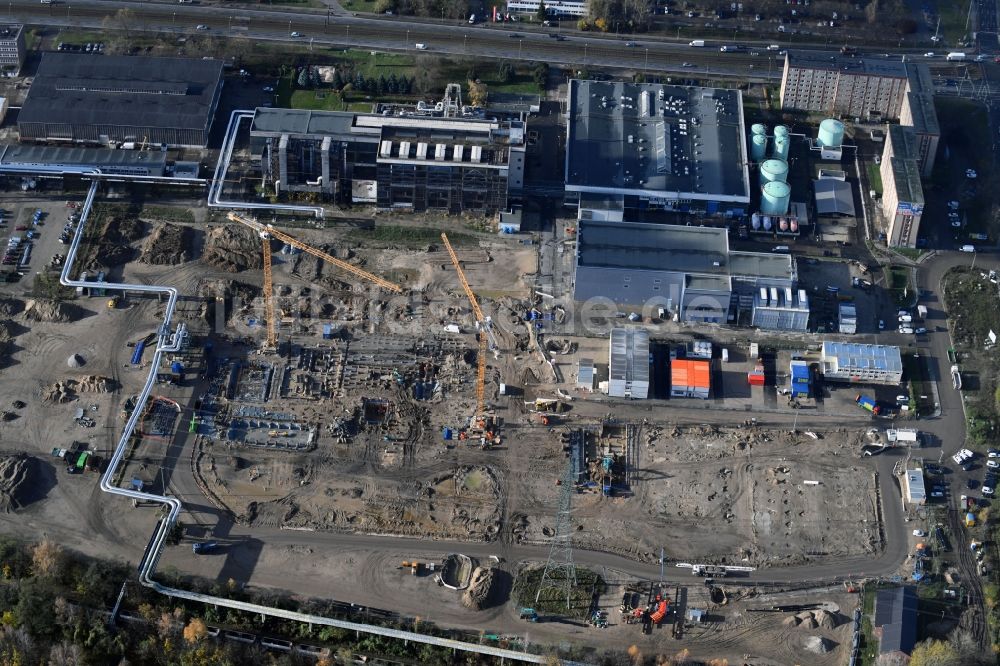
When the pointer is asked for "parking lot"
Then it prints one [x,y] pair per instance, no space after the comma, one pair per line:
[37,233]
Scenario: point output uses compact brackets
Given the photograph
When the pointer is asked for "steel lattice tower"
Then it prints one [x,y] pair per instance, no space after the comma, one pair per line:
[560,572]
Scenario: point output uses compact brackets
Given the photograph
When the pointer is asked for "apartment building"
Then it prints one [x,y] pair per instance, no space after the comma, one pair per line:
[12,49]
[902,193]
[843,86]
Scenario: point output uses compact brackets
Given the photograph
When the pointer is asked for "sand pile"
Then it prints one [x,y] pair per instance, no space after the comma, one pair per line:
[63,392]
[233,249]
[168,244]
[818,644]
[477,595]
[51,311]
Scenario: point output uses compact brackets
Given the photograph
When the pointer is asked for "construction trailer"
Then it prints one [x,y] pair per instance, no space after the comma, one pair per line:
[690,378]
[798,371]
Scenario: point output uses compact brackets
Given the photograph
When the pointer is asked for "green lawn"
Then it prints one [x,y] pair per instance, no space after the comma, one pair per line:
[379,64]
[875,178]
[359,5]
[317,100]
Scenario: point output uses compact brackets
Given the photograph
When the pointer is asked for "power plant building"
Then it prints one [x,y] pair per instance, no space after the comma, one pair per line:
[628,363]
[861,364]
[395,162]
[687,271]
[647,147]
[100,100]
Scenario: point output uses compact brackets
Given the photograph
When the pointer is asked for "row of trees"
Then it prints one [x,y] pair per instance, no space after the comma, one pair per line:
[308,77]
[617,15]
[446,9]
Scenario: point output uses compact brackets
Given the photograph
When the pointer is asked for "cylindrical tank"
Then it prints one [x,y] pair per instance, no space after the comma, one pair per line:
[780,150]
[775,197]
[767,223]
[773,170]
[758,129]
[831,133]
[794,225]
[758,147]
[783,224]
[780,130]
[755,221]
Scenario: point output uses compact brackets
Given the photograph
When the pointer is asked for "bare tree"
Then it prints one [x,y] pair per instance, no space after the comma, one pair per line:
[66,654]
[46,558]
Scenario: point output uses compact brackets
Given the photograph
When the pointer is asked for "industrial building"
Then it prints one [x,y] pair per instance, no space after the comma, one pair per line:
[895,624]
[77,98]
[12,49]
[842,85]
[902,193]
[690,378]
[644,147]
[628,363]
[688,271]
[555,8]
[798,373]
[61,159]
[834,197]
[408,162]
[913,486]
[777,309]
[861,364]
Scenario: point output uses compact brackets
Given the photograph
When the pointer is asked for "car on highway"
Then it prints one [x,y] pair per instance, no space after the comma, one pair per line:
[929,54]
[296,34]
[201,26]
[515,35]
[268,89]
[631,45]
[686,64]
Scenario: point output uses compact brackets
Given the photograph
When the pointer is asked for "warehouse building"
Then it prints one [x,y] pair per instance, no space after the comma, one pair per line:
[395,162]
[777,309]
[861,364]
[913,487]
[688,271]
[651,147]
[902,192]
[102,100]
[12,49]
[62,160]
[628,363]
[895,624]
[690,378]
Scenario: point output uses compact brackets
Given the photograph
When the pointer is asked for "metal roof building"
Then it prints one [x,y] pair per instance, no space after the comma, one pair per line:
[862,364]
[74,159]
[663,146]
[799,378]
[914,489]
[834,197]
[628,363]
[895,620]
[684,269]
[89,99]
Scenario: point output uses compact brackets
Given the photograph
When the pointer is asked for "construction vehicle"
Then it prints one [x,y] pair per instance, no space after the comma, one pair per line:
[486,425]
[528,614]
[413,566]
[113,302]
[267,232]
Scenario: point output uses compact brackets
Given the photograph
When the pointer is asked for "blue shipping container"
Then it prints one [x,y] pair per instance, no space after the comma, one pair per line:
[137,354]
[446,434]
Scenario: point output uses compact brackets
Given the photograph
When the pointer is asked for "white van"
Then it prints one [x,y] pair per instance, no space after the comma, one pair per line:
[968,248]
[421,47]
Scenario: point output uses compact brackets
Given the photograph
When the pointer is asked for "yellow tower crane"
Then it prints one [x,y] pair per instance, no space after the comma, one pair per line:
[486,339]
[266,232]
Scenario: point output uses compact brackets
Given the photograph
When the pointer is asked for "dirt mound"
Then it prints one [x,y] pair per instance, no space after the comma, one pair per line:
[62,392]
[168,244]
[791,621]
[16,472]
[825,619]
[233,249]
[10,307]
[478,593]
[114,239]
[806,621]
[51,311]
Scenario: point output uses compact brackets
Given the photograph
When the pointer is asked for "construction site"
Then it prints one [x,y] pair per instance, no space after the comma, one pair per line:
[331,382]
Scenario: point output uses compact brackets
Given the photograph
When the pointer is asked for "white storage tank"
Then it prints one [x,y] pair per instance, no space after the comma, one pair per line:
[773,170]
[831,133]
[780,150]
[775,197]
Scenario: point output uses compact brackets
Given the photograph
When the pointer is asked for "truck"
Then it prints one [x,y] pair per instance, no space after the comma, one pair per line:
[922,311]
[696,42]
[867,402]
[709,570]
[956,378]
[955,56]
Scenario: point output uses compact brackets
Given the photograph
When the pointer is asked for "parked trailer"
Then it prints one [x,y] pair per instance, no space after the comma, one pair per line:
[709,570]
[137,354]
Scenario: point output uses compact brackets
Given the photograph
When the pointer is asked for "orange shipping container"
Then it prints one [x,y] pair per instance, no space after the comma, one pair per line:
[690,374]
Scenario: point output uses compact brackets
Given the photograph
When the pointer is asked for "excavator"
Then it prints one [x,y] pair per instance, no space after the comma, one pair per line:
[266,233]
[483,424]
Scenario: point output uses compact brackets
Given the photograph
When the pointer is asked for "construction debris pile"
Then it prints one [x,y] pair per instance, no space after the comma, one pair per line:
[477,595]
[167,244]
[67,391]
[112,242]
[42,310]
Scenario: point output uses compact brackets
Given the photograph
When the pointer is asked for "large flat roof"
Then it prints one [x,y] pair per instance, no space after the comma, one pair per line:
[27,154]
[925,120]
[129,91]
[300,121]
[832,61]
[853,355]
[669,247]
[834,197]
[656,140]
